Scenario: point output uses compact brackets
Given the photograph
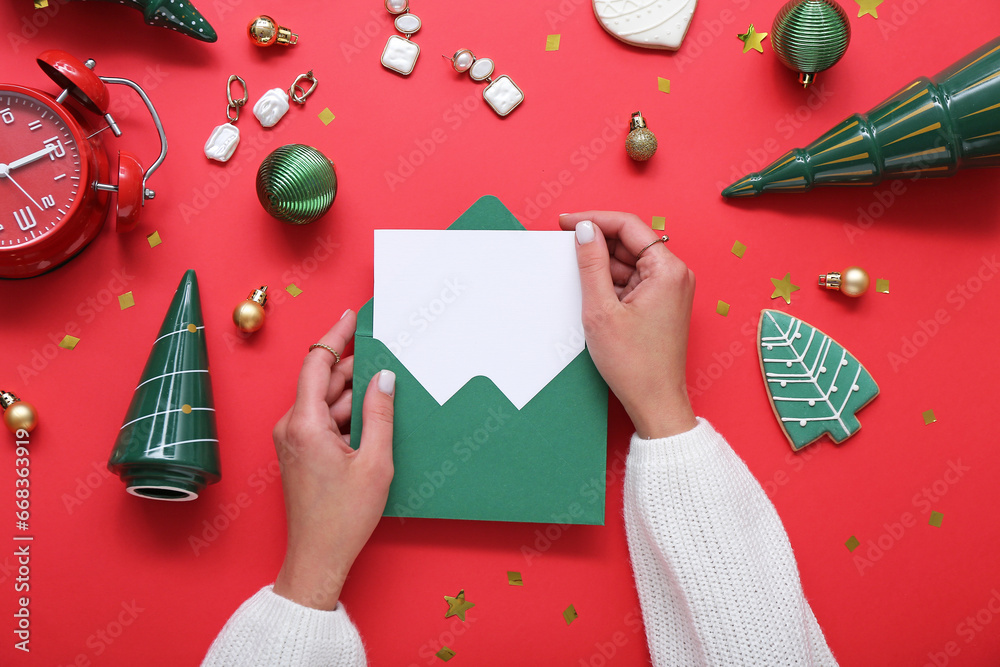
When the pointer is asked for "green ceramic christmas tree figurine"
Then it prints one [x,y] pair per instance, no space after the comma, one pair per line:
[178,15]
[815,385]
[168,448]
[933,127]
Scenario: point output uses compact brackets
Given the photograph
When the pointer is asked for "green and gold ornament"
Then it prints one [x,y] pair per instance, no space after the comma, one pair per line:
[810,36]
[177,15]
[815,385]
[931,128]
[168,446]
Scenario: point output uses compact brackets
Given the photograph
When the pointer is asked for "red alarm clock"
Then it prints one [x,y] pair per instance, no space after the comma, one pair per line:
[54,171]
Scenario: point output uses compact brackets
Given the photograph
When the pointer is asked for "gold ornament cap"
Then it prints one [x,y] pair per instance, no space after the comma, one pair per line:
[853,281]
[265,31]
[7,399]
[637,121]
[259,295]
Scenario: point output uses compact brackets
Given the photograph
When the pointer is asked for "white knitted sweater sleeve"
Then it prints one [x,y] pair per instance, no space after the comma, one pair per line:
[716,576]
[271,631]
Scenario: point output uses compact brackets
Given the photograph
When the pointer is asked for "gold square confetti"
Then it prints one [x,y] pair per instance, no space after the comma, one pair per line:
[659,222]
[514,578]
[852,543]
[154,239]
[929,417]
[293,290]
[738,249]
[881,285]
[663,84]
[68,342]
[326,116]
[935,519]
[41,4]
[570,614]
[126,300]
[552,42]
[445,654]
[722,308]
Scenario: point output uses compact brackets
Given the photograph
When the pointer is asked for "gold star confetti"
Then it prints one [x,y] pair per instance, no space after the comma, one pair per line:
[192,328]
[457,606]
[445,654]
[882,286]
[663,84]
[738,249]
[929,417]
[154,239]
[326,116]
[783,288]
[514,579]
[293,290]
[659,222]
[552,42]
[752,40]
[570,614]
[935,519]
[68,342]
[868,7]
[852,543]
[126,300]
[722,308]
[186,409]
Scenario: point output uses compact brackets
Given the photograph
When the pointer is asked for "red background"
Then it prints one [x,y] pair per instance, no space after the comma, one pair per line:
[97,549]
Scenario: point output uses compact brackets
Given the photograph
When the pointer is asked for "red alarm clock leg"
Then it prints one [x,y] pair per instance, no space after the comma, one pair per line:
[129,192]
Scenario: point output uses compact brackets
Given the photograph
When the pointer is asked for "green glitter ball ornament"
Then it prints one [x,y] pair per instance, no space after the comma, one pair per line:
[810,36]
[296,184]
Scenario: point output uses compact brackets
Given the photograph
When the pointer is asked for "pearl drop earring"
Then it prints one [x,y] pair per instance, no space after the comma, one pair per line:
[400,54]
[502,94]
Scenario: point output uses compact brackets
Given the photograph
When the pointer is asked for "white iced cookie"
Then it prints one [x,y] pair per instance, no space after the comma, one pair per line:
[400,55]
[654,24]
[503,94]
[271,106]
[222,142]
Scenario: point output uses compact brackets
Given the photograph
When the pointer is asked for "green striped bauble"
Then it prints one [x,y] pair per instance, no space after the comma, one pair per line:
[296,184]
[810,36]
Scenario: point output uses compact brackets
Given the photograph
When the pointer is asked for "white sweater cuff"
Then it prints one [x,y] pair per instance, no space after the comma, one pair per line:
[683,448]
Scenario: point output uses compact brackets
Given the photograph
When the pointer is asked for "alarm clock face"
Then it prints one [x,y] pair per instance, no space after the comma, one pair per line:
[40,169]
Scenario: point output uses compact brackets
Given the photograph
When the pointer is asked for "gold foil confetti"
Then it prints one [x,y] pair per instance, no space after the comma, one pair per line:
[154,239]
[738,249]
[445,654]
[186,409]
[514,578]
[126,300]
[929,417]
[935,519]
[663,84]
[752,40]
[881,285]
[659,222]
[293,290]
[68,342]
[457,606]
[852,543]
[783,288]
[722,308]
[41,4]
[326,116]
[192,328]
[868,7]
[552,42]
[570,614]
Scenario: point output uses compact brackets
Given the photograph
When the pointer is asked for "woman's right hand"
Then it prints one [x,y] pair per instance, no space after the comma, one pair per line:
[636,316]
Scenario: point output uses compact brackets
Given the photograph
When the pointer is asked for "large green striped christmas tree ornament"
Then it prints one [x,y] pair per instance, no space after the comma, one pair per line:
[815,385]
[168,447]
[929,129]
[810,36]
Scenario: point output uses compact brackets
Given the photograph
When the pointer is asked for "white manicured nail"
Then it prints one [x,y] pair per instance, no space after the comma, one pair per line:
[345,313]
[386,382]
[584,232]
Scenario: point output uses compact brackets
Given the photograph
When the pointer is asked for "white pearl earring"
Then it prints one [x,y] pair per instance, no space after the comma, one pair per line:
[502,94]
[400,54]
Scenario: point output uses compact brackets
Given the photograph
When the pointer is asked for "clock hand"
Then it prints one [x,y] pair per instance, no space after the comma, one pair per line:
[30,158]
[11,178]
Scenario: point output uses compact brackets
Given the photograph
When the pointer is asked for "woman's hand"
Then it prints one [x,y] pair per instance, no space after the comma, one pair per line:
[635,317]
[334,495]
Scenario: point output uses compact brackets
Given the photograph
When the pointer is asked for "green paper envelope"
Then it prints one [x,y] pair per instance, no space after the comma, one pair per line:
[477,457]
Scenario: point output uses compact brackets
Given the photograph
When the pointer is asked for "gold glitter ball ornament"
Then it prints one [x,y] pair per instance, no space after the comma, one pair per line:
[640,144]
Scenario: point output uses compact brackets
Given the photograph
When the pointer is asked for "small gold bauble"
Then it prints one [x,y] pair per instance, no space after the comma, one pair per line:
[20,415]
[854,281]
[249,315]
[640,144]
[265,31]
